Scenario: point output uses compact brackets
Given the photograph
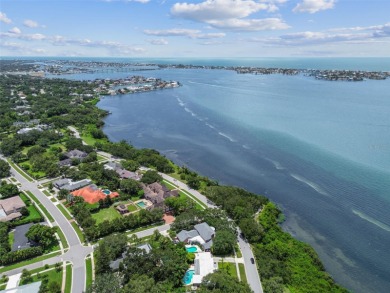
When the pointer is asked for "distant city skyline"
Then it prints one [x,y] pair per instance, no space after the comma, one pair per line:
[204,28]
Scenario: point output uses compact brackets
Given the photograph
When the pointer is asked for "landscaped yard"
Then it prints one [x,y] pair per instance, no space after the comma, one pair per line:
[48,215]
[132,208]
[34,214]
[106,214]
[229,268]
[36,175]
[52,275]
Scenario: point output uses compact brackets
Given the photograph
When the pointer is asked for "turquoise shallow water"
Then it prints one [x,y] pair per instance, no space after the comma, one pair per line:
[320,149]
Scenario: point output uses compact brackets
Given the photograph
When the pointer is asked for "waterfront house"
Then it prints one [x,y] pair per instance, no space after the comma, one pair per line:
[157,193]
[202,234]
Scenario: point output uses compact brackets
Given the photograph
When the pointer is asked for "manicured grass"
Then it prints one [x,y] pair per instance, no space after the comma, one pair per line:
[27,262]
[13,179]
[132,208]
[229,268]
[52,275]
[47,193]
[68,279]
[106,214]
[33,215]
[64,211]
[53,199]
[88,263]
[11,237]
[241,267]
[199,204]
[62,238]
[78,231]
[25,175]
[48,215]
[3,286]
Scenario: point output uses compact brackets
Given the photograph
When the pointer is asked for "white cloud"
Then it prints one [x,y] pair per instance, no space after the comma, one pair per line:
[231,14]
[177,32]
[30,23]
[217,9]
[15,30]
[250,24]
[357,34]
[4,18]
[21,48]
[63,41]
[159,42]
[172,32]
[313,6]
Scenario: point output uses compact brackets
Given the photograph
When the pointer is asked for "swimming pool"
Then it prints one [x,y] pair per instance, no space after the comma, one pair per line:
[188,277]
[141,204]
[106,191]
[192,249]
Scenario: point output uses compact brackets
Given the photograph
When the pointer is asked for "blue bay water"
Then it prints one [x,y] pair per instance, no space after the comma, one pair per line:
[319,149]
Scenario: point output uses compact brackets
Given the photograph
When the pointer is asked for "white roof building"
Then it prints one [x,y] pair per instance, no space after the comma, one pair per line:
[204,265]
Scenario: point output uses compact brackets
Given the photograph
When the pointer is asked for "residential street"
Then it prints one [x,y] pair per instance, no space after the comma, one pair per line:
[76,253]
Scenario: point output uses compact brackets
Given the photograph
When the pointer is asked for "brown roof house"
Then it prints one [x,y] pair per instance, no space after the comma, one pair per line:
[10,208]
[157,193]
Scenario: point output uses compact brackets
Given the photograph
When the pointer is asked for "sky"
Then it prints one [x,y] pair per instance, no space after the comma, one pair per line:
[203,28]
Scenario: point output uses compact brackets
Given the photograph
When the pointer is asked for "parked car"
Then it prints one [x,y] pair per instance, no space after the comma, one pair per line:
[252,260]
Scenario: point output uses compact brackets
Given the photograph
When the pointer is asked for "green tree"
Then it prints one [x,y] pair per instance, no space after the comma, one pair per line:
[10,146]
[130,165]
[252,230]
[150,177]
[222,282]
[102,260]
[130,186]
[224,242]
[4,169]
[8,189]
[106,283]
[41,234]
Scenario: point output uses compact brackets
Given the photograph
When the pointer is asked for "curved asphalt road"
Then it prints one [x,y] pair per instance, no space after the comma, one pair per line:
[76,253]
[252,274]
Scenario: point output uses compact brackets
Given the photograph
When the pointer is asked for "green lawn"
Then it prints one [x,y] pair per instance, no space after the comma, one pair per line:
[53,199]
[62,238]
[13,179]
[68,280]
[25,175]
[199,204]
[3,286]
[229,268]
[88,263]
[27,262]
[132,208]
[106,214]
[78,231]
[47,193]
[48,215]
[241,267]
[36,175]
[11,237]
[64,211]
[33,215]
[52,275]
